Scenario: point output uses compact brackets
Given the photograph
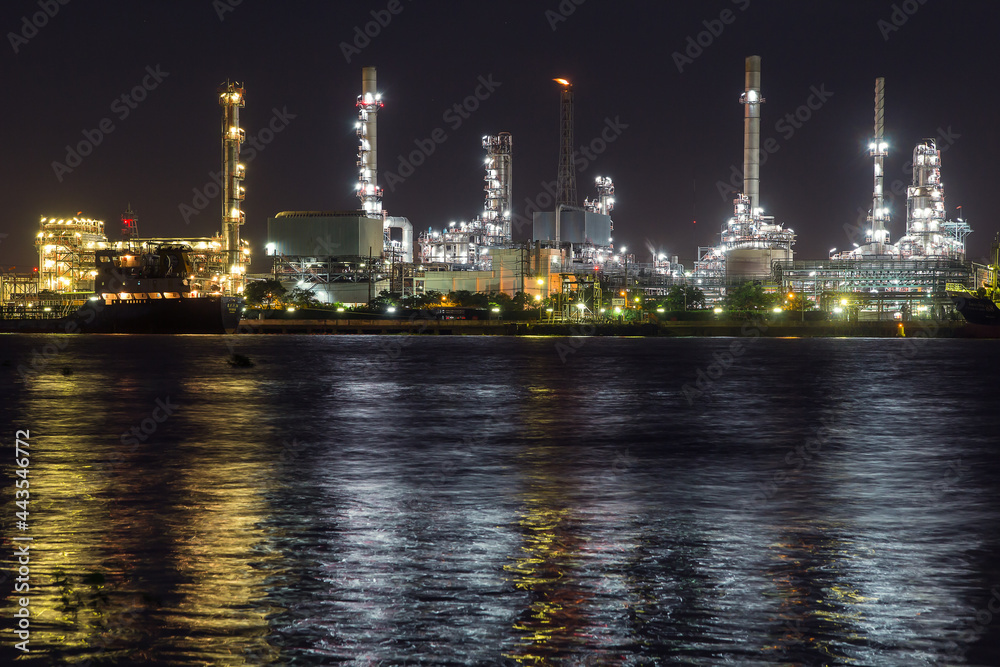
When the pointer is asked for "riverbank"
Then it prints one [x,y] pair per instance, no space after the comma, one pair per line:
[344,326]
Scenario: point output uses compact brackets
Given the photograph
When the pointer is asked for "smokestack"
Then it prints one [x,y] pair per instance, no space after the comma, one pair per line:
[751,99]
[369,102]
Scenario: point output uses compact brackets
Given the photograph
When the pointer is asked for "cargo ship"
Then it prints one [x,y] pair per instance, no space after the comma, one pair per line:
[980,308]
[153,291]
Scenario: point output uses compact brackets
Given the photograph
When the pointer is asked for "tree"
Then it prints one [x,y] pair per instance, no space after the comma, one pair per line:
[684,297]
[264,292]
[748,298]
[302,298]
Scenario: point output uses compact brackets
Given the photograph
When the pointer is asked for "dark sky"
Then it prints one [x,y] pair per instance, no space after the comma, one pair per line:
[683,135]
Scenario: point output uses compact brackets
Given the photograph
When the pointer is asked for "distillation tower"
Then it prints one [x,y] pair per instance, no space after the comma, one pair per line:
[231,100]
[467,245]
[498,181]
[929,235]
[369,102]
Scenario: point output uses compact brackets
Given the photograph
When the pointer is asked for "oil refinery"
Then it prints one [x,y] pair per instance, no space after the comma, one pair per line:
[349,256]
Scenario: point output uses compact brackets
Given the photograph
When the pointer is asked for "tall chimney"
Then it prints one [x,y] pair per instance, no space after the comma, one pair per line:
[566,176]
[751,100]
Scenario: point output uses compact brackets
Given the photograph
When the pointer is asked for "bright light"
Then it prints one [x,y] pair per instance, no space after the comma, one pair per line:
[548,310]
[660,310]
[717,310]
[580,306]
[637,299]
[777,309]
[618,310]
[340,310]
[563,82]
[496,310]
[843,302]
[838,310]
[538,297]
[390,309]
[269,248]
[541,281]
[291,309]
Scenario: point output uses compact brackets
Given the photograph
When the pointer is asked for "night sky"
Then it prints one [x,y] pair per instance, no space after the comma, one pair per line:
[678,133]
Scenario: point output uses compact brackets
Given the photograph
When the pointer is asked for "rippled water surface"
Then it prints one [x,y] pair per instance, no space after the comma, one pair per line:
[473,501]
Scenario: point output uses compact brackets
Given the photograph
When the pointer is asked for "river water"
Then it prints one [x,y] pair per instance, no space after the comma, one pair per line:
[375,500]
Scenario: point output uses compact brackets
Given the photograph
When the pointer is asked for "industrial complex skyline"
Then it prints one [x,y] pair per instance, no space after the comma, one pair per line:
[116,104]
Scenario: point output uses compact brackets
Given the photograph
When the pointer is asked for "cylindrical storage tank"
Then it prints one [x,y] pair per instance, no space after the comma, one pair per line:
[748,263]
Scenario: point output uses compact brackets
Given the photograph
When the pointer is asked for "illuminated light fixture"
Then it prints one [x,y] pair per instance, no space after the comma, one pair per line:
[838,310]
[717,310]
[496,310]
[390,309]
[563,82]
[340,310]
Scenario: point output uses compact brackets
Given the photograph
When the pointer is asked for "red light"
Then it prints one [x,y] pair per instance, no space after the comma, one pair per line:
[694,222]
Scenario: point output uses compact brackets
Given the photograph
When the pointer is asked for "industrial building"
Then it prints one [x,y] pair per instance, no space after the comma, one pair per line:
[66,246]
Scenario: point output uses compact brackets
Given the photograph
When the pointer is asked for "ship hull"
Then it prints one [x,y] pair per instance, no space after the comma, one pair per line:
[201,315]
[981,315]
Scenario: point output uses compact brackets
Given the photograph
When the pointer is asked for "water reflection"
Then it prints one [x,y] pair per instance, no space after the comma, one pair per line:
[319,508]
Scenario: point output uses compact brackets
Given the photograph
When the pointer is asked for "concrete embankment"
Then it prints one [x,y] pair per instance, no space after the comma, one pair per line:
[922,328]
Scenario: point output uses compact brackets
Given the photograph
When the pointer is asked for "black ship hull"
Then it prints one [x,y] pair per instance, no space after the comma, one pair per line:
[200,315]
[981,315]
